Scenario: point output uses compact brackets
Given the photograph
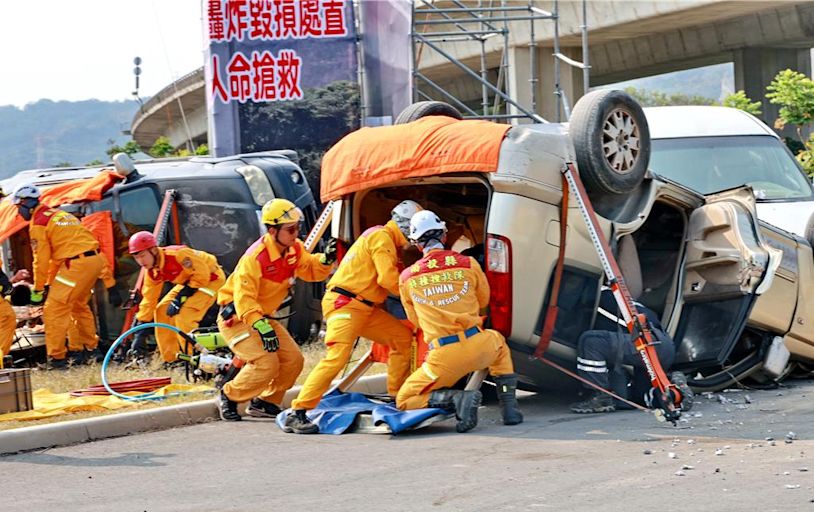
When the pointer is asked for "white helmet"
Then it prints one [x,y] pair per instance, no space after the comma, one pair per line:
[403,212]
[25,191]
[424,222]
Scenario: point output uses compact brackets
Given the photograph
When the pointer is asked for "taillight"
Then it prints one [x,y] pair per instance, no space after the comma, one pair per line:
[499,274]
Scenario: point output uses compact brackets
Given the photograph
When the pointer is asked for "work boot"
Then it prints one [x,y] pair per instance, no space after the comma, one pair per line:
[227,408]
[507,398]
[599,402]
[94,356]
[464,403]
[298,423]
[261,409]
[56,364]
[687,396]
[76,357]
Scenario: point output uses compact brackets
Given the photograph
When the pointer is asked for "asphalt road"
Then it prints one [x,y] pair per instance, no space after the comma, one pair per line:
[718,458]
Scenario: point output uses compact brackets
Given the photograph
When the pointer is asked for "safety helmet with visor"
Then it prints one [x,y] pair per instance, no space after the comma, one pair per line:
[402,213]
[26,197]
[425,226]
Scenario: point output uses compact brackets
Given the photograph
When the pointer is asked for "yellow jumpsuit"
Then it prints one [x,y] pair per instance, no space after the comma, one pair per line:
[66,257]
[369,270]
[180,266]
[79,336]
[257,287]
[443,294]
[8,325]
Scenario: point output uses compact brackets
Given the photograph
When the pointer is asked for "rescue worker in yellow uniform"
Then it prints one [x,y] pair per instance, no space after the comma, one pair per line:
[249,301]
[83,345]
[352,308]
[67,251]
[8,320]
[197,278]
[443,294]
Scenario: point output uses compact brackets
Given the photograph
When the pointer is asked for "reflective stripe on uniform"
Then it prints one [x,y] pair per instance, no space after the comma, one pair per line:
[591,362]
[429,372]
[338,316]
[207,291]
[237,339]
[612,318]
[593,369]
[66,282]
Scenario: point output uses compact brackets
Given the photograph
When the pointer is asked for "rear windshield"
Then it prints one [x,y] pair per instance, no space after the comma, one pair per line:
[712,164]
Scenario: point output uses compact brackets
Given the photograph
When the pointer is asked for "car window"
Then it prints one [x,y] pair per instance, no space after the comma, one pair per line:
[139,208]
[713,164]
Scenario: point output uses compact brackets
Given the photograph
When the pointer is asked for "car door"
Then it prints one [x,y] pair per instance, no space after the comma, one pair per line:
[727,264]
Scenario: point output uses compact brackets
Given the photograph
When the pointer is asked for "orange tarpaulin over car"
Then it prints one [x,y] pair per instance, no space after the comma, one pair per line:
[432,145]
[75,191]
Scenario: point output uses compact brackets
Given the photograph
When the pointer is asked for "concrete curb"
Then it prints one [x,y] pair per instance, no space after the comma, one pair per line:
[126,423]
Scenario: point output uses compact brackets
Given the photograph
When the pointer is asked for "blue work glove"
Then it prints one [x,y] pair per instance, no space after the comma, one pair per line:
[329,254]
[270,341]
[37,297]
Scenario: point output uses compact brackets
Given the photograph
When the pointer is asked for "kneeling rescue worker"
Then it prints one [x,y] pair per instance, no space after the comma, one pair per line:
[197,278]
[248,301]
[352,308]
[67,262]
[443,294]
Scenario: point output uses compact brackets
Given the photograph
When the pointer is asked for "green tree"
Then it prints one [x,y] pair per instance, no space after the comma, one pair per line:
[93,163]
[202,150]
[161,148]
[660,99]
[794,92]
[131,147]
[63,164]
[741,101]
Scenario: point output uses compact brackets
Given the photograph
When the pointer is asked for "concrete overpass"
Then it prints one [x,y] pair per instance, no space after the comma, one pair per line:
[627,39]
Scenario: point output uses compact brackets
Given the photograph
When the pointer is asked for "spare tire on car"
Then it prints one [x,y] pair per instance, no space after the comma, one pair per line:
[427,108]
[612,141]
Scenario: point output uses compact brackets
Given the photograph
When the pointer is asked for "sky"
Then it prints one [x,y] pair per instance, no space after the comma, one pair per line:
[82,49]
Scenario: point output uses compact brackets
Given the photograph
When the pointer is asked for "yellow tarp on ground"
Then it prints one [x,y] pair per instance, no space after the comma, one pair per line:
[48,404]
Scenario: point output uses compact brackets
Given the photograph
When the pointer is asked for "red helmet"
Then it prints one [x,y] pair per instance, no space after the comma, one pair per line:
[141,241]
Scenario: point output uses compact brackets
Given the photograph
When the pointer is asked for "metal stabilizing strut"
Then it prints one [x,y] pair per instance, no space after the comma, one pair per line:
[666,398]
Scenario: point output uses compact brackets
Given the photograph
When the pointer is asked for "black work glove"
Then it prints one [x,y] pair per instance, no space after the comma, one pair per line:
[114,298]
[174,307]
[139,345]
[329,254]
[270,341]
[5,284]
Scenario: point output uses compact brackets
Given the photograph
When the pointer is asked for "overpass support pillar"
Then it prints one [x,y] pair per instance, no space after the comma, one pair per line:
[756,67]
[540,76]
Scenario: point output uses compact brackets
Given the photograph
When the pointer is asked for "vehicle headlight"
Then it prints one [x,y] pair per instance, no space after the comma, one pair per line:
[296,177]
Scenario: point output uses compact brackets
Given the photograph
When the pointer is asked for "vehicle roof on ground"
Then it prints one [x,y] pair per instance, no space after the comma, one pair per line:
[702,121]
[167,168]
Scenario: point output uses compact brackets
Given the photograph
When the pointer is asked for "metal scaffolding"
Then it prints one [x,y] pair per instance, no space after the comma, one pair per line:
[437,23]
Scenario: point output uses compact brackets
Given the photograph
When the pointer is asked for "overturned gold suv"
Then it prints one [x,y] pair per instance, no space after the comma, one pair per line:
[728,286]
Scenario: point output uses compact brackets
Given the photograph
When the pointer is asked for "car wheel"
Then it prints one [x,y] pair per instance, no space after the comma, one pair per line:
[427,108]
[612,141]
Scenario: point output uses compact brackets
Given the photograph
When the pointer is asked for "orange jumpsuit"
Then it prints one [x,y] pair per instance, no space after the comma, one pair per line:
[180,266]
[257,287]
[66,257]
[443,294]
[369,270]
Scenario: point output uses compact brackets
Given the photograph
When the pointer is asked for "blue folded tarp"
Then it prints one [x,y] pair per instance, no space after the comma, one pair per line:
[337,412]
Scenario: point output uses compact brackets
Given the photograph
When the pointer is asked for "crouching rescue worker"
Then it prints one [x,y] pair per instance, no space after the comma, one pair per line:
[443,294]
[248,302]
[352,307]
[67,262]
[602,352]
[197,278]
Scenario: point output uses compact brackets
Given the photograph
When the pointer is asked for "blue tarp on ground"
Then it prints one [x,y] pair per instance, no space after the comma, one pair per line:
[336,413]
